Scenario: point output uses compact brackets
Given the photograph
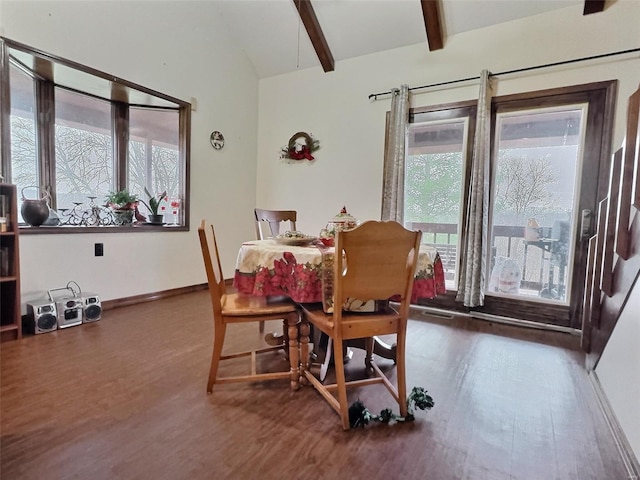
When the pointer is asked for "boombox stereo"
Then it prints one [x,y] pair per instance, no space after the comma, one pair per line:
[68,307]
[69,311]
[92,308]
[41,316]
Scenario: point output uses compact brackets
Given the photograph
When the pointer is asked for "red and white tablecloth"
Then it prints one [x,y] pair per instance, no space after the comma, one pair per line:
[264,267]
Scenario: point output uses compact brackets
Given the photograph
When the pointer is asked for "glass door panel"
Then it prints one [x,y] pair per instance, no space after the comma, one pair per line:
[434,174]
[535,191]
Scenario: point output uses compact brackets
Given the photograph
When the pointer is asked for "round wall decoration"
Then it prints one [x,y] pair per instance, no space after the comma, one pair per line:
[300,147]
[217,140]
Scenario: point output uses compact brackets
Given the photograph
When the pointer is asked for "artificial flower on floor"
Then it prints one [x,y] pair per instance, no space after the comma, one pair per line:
[359,415]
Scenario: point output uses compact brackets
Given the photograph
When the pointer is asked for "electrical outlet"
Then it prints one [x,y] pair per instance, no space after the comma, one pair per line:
[99,249]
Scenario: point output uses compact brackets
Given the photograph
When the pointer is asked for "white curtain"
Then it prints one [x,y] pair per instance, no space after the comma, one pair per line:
[471,286]
[393,179]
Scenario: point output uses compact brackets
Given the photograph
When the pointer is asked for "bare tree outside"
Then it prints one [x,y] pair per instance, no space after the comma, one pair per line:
[523,188]
[162,174]
[23,151]
[84,165]
[154,160]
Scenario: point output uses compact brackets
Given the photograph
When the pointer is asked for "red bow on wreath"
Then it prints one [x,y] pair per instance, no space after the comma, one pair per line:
[300,151]
[304,152]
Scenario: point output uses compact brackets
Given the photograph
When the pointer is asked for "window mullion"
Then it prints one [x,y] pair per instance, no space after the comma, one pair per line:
[45,137]
[184,142]
[5,112]
[120,120]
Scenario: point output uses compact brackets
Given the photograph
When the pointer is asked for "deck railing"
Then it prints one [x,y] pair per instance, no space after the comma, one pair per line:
[507,241]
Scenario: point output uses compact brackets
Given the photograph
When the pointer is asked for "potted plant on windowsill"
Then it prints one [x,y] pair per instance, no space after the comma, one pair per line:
[153,205]
[123,205]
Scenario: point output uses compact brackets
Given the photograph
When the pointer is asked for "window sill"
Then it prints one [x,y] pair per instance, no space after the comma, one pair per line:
[135,228]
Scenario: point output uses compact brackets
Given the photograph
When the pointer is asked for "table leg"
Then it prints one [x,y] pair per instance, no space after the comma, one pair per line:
[275,339]
[285,339]
[380,348]
[322,353]
[318,355]
[304,349]
[294,360]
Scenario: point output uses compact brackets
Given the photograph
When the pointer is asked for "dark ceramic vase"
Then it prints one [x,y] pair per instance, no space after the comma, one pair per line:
[34,212]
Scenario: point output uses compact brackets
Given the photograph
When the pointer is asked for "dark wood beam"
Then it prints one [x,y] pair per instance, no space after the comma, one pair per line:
[431,15]
[593,6]
[310,22]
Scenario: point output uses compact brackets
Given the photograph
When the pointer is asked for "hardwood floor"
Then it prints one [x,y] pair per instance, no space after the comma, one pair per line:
[124,398]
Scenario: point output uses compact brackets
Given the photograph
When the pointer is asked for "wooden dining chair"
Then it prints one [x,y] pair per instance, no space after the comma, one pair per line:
[230,308]
[374,261]
[274,218]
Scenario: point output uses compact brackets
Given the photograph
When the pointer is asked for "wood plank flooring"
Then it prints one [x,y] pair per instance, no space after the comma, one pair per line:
[124,398]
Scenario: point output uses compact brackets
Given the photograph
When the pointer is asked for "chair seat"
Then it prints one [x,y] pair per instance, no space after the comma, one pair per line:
[236,304]
[355,325]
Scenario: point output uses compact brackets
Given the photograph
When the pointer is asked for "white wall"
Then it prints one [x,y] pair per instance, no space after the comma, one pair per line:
[619,370]
[179,49]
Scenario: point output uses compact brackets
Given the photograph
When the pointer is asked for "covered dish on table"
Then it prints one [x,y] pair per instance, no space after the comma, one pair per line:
[342,221]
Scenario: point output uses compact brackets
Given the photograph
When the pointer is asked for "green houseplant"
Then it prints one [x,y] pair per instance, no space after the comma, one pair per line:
[123,205]
[153,205]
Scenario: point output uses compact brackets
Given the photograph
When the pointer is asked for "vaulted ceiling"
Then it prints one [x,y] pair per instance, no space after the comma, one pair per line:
[281,36]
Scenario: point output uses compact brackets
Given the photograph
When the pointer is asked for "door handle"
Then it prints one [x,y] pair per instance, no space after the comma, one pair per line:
[586,217]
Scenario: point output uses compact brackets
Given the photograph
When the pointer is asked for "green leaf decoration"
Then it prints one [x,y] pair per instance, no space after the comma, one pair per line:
[359,415]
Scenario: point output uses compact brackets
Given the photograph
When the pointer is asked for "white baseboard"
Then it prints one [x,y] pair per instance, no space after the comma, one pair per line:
[626,452]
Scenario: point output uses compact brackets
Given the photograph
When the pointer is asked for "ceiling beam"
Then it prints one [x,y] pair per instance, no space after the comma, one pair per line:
[431,15]
[593,6]
[310,22]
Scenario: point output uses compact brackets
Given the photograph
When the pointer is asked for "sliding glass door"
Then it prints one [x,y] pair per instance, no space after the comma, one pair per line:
[549,168]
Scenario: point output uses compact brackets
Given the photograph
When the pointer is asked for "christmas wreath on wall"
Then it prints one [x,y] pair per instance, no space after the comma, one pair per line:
[297,150]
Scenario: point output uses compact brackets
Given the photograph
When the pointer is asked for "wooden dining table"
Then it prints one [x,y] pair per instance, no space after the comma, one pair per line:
[304,274]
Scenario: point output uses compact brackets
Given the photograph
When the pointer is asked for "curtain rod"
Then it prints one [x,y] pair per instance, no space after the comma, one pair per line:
[518,70]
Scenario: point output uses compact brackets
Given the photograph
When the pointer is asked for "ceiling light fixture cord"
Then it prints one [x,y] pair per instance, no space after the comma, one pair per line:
[299,21]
